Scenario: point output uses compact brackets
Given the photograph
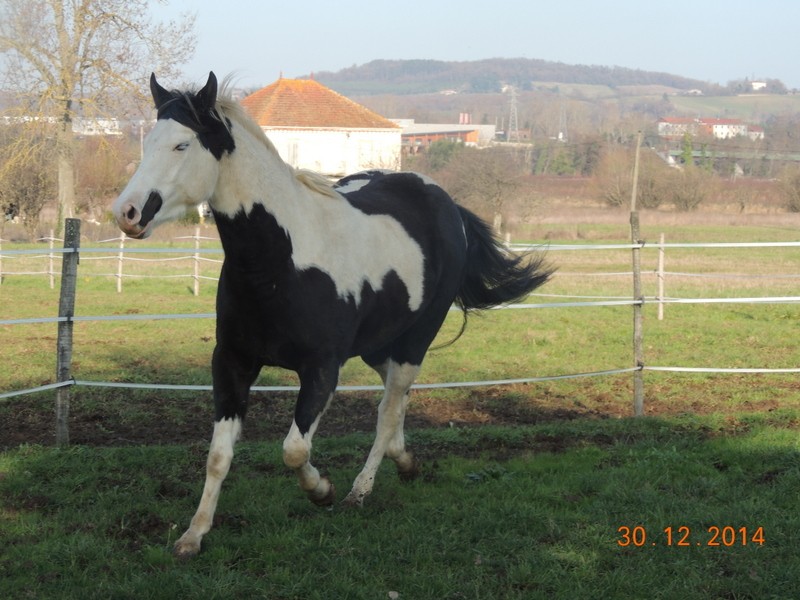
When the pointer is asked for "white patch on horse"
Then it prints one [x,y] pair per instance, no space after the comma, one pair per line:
[220,455]
[355,248]
[327,232]
[389,438]
[296,447]
[297,456]
[353,185]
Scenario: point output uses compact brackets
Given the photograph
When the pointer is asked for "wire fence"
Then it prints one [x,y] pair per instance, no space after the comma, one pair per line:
[193,264]
[195,256]
[126,262]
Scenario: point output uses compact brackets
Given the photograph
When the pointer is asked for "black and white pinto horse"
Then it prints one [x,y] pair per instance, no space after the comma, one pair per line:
[313,274]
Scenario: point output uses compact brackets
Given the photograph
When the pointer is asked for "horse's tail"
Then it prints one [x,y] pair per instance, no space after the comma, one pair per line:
[492,276]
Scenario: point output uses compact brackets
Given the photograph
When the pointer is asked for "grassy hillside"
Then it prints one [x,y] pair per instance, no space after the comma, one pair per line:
[426,76]
[752,108]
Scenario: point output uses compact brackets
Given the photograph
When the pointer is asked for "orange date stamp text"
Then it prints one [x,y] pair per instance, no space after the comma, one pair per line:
[638,536]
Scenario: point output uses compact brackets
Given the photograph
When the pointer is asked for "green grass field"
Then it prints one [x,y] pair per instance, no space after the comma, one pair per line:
[498,513]
[524,488]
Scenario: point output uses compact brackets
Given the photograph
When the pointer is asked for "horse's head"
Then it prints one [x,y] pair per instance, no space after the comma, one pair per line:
[180,165]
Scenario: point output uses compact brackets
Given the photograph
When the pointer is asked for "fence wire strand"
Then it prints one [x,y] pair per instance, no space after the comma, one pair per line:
[586,301]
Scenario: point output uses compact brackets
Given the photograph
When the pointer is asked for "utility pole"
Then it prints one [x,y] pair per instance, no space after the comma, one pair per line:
[512,135]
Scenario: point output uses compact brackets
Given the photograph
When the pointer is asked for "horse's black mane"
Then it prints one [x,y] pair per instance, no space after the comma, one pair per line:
[181,108]
[213,130]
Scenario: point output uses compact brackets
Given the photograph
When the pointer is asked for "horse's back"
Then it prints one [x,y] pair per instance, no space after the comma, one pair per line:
[421,206]
[426,212]
[381,191]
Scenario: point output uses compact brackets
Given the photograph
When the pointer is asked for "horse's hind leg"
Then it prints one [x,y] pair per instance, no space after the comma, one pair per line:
[407,466]
[389,438]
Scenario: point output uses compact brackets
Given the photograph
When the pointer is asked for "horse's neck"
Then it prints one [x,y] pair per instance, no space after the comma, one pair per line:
[254,175]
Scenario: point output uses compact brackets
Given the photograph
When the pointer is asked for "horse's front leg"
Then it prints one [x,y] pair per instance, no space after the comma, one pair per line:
[231,390]
[317,385]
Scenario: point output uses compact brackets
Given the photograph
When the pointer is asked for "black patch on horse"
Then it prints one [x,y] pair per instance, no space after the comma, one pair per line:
[198,112]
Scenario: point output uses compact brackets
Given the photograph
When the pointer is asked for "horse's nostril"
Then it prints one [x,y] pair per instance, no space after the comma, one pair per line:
[131,213]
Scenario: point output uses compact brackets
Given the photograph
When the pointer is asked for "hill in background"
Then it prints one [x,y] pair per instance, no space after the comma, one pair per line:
[559,101]
[489,75]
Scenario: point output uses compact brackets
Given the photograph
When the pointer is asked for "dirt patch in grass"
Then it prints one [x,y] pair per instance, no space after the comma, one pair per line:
[168,420]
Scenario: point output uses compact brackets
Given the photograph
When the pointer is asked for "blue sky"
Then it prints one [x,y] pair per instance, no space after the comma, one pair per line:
[710,40]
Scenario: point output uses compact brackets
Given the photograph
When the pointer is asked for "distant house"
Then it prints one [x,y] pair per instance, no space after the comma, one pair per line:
[754,132]
[676,127]
[91,127]
[417,137]
[721,129]
[315,128]
[80,125]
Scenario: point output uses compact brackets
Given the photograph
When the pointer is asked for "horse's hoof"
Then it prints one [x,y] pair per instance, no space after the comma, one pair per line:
[409,469]
[185,549]
[353,500]
[328,498]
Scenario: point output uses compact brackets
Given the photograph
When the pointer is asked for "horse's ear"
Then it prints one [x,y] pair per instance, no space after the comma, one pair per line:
[160,95]
[208,95]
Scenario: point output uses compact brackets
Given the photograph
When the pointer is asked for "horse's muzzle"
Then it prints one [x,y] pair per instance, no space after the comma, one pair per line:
[134,222]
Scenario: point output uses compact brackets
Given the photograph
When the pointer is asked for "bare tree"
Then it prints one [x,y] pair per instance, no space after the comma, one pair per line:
[789,183]
[74,58]
[26,178]
[689,187]
[484,180]
[103,168]
[614,177]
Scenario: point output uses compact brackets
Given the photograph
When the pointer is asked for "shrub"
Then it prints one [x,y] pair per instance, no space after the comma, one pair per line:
[790,188]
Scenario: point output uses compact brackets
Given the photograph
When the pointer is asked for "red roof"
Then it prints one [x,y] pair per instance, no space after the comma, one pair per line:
[678,120]
[701,121]
[721,121]
[307,103]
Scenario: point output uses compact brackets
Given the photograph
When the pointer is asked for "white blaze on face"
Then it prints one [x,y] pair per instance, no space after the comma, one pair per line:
[177,167]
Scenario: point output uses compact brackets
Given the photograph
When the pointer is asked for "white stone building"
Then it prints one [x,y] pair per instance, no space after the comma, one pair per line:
[315,128]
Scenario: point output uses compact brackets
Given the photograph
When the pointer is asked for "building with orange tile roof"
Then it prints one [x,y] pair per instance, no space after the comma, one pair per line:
[722,129]
[315,128]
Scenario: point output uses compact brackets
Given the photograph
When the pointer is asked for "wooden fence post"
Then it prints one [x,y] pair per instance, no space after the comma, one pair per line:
[66,308]
[638,297]
[119,261]
[660,277]
[197,261]
[51,258]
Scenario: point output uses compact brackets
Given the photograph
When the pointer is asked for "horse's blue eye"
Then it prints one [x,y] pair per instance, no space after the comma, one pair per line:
[181,147]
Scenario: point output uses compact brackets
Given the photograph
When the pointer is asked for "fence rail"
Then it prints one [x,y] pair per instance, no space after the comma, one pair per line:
[66,318]
[122,256]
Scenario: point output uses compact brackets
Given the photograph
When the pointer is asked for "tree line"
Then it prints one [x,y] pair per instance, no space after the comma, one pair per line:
[499,183]
[495,182]
[489,75]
